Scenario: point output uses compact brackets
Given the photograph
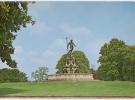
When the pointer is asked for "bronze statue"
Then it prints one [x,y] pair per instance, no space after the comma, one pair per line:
[71,45]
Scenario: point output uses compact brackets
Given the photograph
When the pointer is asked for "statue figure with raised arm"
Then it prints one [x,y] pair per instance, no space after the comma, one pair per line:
[70,45]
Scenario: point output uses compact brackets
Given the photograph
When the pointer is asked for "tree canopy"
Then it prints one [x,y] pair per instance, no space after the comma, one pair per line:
[40,74]
[117,61]
[13,16]
[81,60]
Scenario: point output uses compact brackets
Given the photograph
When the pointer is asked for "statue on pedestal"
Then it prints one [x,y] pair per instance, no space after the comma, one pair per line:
[70,65]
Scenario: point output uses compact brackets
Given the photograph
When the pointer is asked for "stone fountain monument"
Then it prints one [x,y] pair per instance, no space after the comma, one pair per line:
[70,66]
[71,71]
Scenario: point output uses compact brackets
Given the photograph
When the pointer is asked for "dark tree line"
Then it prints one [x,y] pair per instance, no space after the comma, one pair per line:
[12,75]
[117,61]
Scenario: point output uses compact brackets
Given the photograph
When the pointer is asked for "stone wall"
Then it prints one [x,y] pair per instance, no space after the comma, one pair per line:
[71,77]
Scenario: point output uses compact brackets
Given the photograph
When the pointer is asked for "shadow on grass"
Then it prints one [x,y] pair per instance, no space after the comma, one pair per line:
[6,91]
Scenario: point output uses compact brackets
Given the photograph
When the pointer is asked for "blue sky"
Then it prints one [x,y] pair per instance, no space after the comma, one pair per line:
[89,24]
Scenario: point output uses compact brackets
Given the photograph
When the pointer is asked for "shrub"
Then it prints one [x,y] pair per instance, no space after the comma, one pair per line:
[12,75]
[81,60]
[40,74]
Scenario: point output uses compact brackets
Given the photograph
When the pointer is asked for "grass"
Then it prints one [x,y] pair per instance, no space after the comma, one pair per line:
[68,88]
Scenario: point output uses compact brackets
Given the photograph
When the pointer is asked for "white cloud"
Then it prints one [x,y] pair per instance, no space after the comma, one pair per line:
[39,29]
[76,32]
[57,45]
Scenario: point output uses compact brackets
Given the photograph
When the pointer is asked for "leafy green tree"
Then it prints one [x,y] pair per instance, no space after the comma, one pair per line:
[81,60]
[128,70]
[40,74]
[111,60]
[12,75]
[13,16]
[117,61]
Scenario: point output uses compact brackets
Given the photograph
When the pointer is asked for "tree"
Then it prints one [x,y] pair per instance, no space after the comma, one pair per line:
[111,60]
[12,75]
[13,16]
[117,61]
[40,74]
[81,60]
[128,70]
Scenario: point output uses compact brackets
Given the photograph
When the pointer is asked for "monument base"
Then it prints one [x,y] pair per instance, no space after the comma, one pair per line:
[71,77]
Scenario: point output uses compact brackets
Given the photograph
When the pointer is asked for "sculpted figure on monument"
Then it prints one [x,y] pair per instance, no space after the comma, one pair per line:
[71,45]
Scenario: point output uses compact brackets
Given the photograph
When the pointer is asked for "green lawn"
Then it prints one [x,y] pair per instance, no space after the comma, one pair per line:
[68,88]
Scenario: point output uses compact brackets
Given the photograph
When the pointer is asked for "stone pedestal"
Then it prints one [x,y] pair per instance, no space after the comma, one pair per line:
[78,76]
